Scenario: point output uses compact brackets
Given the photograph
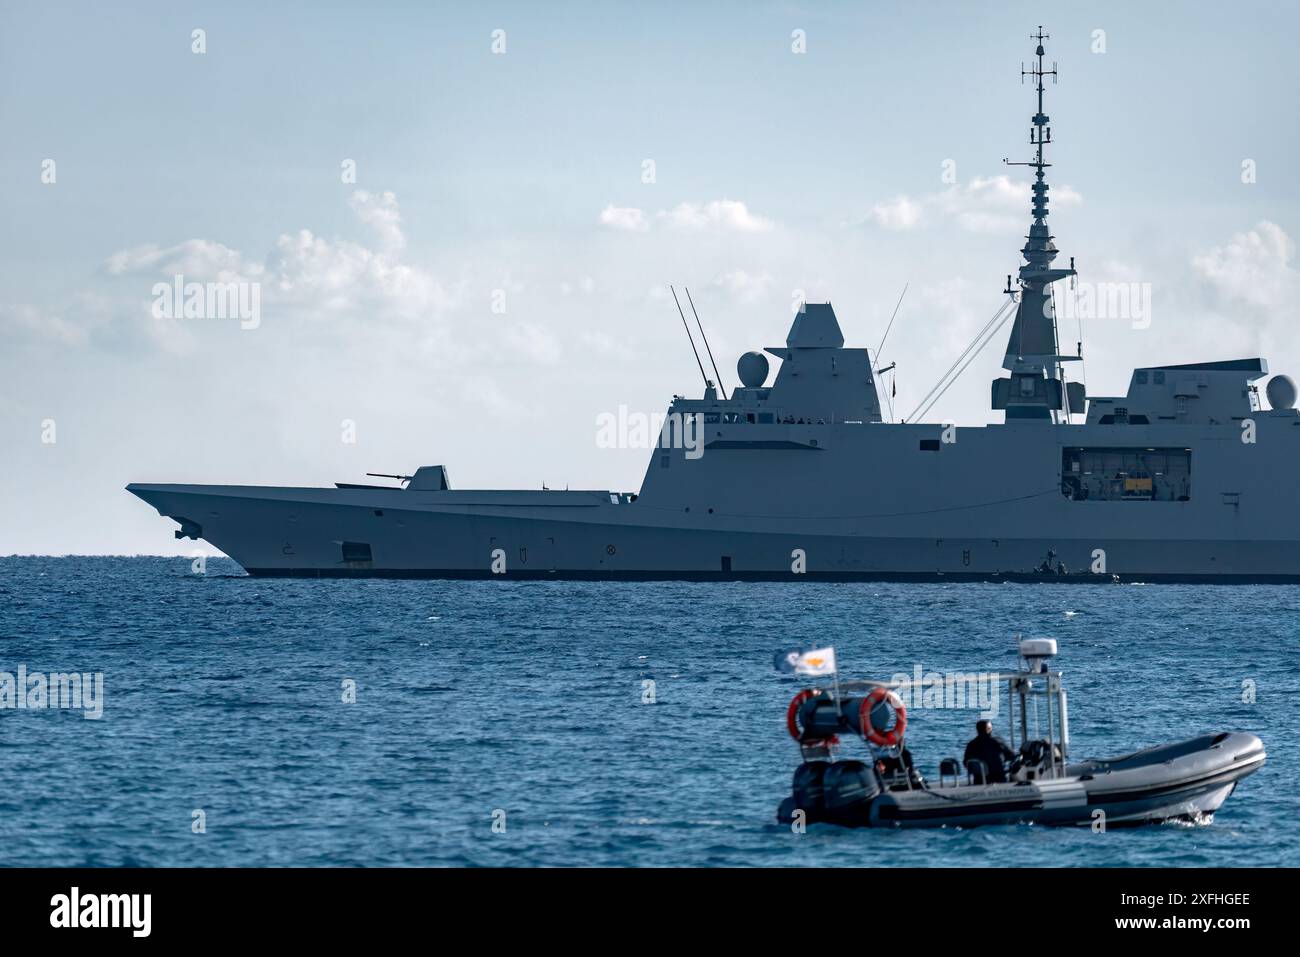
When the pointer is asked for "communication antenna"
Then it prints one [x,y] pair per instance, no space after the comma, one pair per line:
[1040,134]
[706,341]
[687,327]
[891,321]
[893,385]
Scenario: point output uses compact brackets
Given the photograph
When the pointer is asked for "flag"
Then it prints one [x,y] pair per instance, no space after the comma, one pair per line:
[819,661]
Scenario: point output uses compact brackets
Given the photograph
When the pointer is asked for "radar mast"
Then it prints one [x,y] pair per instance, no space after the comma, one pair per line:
[1036,388]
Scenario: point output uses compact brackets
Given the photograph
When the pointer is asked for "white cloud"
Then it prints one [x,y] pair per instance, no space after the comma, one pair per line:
[744,286]
[719,214]
[308,270]
[996,204]
[317,275]
[1254,267]
[624,217]
[379,211]
[94,322]
[902,213]
[339,276]
[198,259]
[985,204]
[898,215]
[305,277]
[586,285]
[27,319]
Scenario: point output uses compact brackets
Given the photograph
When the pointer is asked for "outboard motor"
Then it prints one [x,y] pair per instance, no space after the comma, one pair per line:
[840,792]
[848,788]
[808,791]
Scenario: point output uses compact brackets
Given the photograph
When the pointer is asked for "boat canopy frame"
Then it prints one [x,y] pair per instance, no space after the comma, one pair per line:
[1038,710]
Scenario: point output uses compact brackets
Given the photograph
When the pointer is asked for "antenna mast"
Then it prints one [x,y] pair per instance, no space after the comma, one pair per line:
[1040,119]
[690,337]
[707,347]
[1036,388]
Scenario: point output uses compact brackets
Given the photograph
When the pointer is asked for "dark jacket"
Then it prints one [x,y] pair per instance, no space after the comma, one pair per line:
[992,750]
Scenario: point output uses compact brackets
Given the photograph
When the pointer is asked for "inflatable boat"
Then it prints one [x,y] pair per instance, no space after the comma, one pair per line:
[1185,781]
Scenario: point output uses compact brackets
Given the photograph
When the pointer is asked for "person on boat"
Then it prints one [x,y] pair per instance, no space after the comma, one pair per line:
[991,751]
[890,766]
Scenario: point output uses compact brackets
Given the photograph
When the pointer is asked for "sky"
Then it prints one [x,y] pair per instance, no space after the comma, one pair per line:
[461,221]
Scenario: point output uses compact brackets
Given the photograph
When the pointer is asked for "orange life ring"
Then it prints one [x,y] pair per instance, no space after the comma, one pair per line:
[793,726]
[883,739]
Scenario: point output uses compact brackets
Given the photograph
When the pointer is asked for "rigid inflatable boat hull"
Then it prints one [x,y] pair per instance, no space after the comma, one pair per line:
[1183,781]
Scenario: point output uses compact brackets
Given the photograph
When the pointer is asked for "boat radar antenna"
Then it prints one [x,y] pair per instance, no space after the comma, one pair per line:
[1036,389]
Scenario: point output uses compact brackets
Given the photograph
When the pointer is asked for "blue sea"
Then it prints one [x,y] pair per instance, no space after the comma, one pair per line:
[507,723]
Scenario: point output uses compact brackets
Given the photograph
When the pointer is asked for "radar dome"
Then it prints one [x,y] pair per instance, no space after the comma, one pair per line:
[752,369]
[1281,392]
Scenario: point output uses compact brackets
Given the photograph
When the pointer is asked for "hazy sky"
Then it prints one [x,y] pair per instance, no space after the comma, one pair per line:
[516,179]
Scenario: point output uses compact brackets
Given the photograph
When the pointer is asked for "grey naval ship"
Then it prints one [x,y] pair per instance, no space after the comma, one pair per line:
[1186,477]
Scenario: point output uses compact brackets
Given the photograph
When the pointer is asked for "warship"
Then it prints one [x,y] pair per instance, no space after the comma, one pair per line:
[1183,478]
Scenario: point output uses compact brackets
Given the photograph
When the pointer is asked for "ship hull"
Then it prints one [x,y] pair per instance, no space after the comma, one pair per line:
[801,503]
[340,533]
